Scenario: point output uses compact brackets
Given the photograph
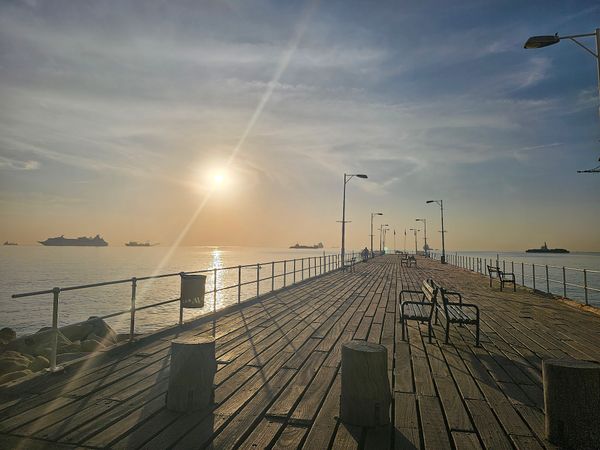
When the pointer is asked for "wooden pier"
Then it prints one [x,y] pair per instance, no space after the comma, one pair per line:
[278,378]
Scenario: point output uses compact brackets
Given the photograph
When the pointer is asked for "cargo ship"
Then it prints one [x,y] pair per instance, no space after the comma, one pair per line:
[544,249]
[10,243]
[139,244]
[83,241]
[319,245]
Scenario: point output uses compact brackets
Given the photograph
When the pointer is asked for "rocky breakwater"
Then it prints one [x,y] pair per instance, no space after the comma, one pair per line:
[25,355]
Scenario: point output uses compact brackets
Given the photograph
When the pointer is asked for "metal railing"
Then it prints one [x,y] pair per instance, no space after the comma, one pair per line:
[549,277]
[292,270]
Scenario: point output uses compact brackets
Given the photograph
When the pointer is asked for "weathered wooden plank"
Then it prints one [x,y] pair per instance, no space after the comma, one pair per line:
[435,434]
[490,431]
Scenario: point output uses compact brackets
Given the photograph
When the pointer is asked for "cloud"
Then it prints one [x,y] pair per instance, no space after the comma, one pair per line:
[13,164]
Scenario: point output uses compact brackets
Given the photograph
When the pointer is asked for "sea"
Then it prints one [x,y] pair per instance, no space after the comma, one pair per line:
[35,268]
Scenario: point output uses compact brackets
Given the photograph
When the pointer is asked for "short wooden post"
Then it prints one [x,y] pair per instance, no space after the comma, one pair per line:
[366,397]
[193,368]
[572,403]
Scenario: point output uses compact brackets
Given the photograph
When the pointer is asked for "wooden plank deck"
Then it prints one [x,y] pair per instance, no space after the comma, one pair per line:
[278,378]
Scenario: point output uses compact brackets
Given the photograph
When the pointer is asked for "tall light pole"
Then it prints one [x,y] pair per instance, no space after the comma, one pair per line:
[441,203]
[373,214]
[545,41]
[384,233]
[416,231]
[347,177]
[425,247]
[381,236]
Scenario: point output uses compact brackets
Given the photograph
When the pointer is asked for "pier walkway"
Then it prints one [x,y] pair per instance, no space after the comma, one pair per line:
[278,378]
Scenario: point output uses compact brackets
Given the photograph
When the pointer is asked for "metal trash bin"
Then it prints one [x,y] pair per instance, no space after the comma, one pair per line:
[192,290]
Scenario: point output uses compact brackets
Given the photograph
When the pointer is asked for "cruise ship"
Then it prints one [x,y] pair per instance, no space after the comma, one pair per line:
[83,241]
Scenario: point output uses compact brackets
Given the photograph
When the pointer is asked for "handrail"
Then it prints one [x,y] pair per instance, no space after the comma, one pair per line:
[479,264]
[317,265]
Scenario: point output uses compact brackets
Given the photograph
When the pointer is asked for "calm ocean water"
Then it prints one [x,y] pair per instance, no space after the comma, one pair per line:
[32,268]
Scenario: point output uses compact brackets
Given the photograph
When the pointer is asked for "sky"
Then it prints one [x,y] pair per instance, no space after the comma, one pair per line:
[233,122]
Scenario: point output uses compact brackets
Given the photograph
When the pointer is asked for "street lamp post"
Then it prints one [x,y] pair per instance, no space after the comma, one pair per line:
[381,236]
[373,214]
[545,41]
[347,177]
[415,231]
[384,233]
[441,203]
[425,247]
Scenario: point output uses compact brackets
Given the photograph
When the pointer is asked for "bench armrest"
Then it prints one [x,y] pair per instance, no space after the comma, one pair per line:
[455,294]
[466,306]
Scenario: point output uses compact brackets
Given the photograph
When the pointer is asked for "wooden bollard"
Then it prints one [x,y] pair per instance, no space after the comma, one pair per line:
[572,403]
[366,398]
[193,368]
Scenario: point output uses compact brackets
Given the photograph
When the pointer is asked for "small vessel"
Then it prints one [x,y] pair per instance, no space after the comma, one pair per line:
[83,241]
[297,246]
[139,244]
[544,249]
[10,243]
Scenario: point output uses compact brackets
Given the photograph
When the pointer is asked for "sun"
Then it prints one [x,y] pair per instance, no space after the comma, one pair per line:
[218,178]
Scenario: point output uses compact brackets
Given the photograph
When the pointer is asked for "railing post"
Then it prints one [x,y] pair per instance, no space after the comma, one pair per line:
[564,283]
[512,267]
[533,270]
[257,280]
[547,280]
[132,318]
[585,286]
[53,352]
[215,290]
[284,271]
[272,276]
[309,267]
[239,284]
[503,265]
[302,266]
[294,271]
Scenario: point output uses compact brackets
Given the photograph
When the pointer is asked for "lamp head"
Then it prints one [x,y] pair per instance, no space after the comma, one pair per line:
[430,201]
[361,175]
[541,41]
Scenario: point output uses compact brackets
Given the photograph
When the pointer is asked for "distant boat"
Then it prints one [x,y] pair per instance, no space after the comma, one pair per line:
[10,243]
[83,241]
[544,249]
[139,244]
[319,245]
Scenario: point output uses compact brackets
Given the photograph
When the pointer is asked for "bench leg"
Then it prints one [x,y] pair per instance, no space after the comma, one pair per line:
[429,323]
[477,335]
[514,287]
[490,281]
[501,285]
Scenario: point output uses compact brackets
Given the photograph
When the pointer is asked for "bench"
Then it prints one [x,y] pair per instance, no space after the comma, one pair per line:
[350,265]
[408,261]
[421,310]
[503,277]
[456,311]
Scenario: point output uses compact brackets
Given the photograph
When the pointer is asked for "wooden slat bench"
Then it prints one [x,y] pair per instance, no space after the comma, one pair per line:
[420,310]
[456,311]
[503,277]
[408,261]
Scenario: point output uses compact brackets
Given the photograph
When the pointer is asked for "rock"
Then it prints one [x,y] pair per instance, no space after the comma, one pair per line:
[38,343]
[14,375]
[78,331]
[11,361]
[90,345]
[74,347]
[7,335]
[39,363]
[103,330]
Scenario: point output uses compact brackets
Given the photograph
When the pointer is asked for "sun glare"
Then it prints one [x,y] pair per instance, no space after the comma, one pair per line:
[218,179]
